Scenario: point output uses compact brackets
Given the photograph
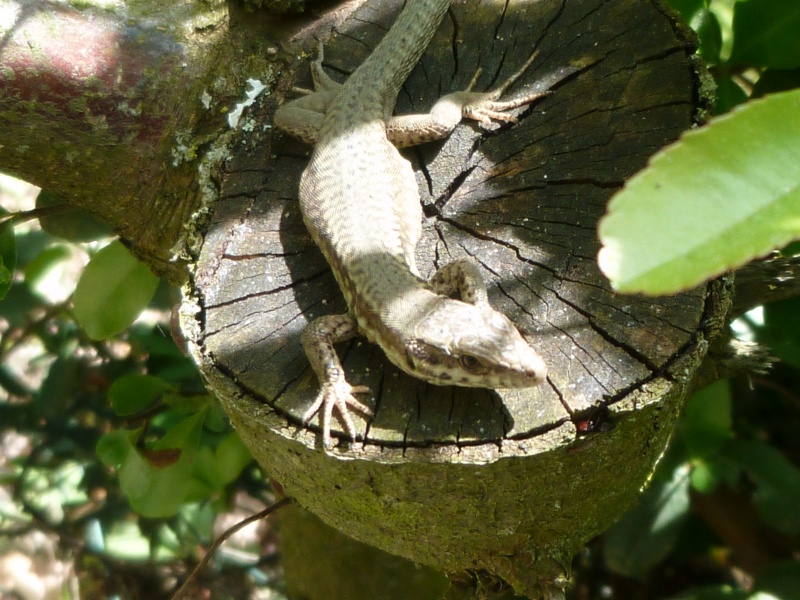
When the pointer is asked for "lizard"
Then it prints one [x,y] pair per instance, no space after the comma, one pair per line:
[359,200]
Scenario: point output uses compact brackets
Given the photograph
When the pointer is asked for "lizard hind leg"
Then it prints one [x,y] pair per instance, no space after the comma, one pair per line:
[322,81]
[302,117]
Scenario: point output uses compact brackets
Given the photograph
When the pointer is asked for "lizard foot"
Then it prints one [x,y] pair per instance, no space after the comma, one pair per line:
[488,107]
[486,110]
[338,395]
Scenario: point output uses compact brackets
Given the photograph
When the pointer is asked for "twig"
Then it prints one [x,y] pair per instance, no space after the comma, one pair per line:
[221,538]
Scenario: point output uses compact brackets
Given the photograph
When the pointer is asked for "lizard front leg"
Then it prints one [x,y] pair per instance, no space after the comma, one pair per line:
[318,340]
[484,107]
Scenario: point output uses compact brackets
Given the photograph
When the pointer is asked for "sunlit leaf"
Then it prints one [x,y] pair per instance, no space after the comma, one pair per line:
[232,456]
[112,292]
[721,196]
[39,272]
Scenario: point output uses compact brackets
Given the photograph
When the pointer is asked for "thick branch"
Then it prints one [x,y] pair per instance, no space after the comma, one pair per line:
[95,107]
[777,277]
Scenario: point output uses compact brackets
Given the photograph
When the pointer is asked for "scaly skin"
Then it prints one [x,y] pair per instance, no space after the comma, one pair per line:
[360,202]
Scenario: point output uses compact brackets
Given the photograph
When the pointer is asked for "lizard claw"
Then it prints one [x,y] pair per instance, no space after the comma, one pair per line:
[338,395]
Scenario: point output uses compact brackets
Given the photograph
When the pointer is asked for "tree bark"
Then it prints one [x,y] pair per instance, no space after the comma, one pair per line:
[102,107]
[505,483]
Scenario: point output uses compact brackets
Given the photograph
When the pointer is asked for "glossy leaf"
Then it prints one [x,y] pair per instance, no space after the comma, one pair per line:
[705,23]
[113,290]
[765,33]
[721,196]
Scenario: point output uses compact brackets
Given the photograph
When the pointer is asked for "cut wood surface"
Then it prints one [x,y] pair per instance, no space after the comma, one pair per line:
[523,201]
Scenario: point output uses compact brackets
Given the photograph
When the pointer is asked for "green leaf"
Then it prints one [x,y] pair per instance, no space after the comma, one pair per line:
[777,493]
[187,404]
[232,456]
[114,446]
[705,23]
[8,258]
[765,33]
[706,424]
[133,393]
[112,292]
[125,541]
[721,196]
[157,489]
[135,476]
[646,534]
[77,225]
[185,434]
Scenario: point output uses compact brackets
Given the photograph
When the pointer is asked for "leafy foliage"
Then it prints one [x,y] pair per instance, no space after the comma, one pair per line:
[112,292]
[722,510]
[115,416]
[704,206]
[728,192]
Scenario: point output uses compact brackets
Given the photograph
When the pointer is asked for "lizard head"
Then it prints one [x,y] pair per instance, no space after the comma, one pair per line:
[472,346]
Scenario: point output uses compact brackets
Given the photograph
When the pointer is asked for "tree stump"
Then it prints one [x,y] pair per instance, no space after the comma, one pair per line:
[512,482]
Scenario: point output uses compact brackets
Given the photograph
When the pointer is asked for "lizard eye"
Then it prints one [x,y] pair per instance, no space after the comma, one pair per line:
[470,363]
